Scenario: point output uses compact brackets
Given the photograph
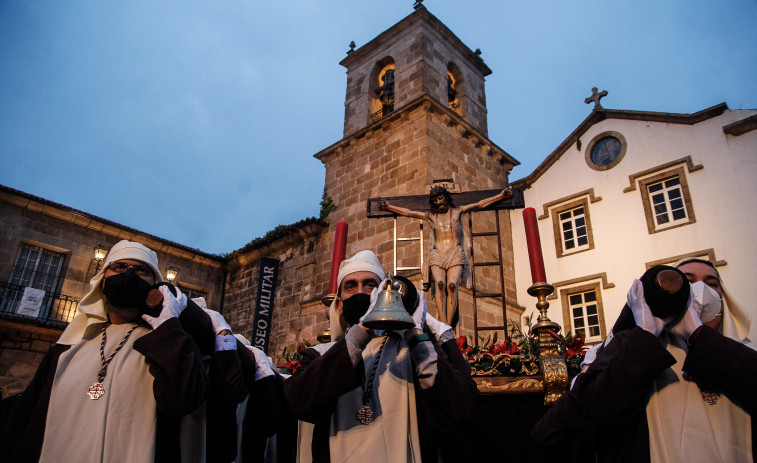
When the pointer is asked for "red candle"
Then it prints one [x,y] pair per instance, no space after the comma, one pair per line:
[340,248]
[535,258]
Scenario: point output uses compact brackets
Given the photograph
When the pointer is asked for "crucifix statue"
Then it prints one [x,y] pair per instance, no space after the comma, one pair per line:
[446,258]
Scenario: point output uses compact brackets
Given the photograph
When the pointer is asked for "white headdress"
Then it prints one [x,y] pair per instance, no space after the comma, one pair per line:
[92,307]
[363,261]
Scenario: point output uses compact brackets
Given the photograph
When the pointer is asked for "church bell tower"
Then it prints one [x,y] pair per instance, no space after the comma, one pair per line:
[415,111]
[418,56]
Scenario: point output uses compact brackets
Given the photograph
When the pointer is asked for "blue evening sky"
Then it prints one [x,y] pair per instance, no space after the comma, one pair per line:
[196,121]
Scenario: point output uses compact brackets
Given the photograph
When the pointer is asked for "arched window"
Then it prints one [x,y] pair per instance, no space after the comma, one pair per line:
[455,88]
[382,89]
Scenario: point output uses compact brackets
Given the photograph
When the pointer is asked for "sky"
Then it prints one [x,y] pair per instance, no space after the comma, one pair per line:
[197,121]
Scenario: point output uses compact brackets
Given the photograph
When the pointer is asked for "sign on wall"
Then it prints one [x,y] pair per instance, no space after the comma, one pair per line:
[31,302]
[261,325]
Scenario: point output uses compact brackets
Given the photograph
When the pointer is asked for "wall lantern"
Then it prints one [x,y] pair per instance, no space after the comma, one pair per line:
[171,273]
[100,253]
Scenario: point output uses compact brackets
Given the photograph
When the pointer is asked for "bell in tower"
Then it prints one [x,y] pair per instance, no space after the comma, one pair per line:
[386,92]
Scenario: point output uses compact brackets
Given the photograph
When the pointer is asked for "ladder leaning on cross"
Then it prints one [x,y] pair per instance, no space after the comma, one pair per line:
[421,202]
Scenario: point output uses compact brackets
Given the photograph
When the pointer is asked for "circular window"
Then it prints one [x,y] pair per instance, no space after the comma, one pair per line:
[605,151]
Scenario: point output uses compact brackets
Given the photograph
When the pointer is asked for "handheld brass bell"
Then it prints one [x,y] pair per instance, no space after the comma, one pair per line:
[389,313]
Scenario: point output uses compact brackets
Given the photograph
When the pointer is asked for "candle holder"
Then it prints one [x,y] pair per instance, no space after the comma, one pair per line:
[328,299]
[325,335]
[551,361]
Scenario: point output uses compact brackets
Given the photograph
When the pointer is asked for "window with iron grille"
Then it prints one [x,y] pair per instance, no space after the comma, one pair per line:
[42,269]
[37,267]
[667,202]
[584,311]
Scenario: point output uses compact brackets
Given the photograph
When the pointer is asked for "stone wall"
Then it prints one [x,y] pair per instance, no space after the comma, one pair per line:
[297,313]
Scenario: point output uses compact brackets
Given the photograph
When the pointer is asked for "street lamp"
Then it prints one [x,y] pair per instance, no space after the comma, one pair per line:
[100,253]
[171,273]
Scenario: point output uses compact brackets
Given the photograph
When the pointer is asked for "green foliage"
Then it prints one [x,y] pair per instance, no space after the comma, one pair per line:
[527,342]
[290,359]
[327,205]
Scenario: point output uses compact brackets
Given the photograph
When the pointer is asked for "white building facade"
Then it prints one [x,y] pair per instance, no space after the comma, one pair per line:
[628,190]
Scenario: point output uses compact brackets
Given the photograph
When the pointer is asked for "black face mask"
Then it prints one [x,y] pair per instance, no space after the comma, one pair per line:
[126,290]
[355,307]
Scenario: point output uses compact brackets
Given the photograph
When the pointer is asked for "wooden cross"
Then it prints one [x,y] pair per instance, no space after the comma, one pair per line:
[420,202]
[595,97]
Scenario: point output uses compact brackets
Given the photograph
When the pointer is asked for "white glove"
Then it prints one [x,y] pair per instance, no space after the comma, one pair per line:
[688,323]
[173,306]
[436,327]
[263,366]
[642,314]
[219,323]
[421,312]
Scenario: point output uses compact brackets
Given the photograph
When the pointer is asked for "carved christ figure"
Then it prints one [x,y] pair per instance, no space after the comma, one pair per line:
[446,258]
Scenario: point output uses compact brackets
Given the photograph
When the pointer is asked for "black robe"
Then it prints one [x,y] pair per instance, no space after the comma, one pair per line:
[179,387]
[312,393]
[604,415]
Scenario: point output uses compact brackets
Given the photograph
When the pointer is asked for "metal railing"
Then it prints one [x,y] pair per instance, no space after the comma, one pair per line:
[55,311]
[381,113]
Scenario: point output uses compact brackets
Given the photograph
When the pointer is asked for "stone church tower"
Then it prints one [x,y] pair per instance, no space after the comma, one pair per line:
[415,111]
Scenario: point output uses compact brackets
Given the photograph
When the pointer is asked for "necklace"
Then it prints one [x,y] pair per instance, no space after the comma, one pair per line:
[96,390]
[365,414]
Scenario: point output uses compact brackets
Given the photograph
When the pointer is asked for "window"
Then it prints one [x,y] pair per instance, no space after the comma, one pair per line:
[571,225]
[667,202]
[582,310]
[382,85]
[585,314]
[605,151]
[573,229]
[666,199]
[455,88]
[41,269]
[193,293]
[37,267]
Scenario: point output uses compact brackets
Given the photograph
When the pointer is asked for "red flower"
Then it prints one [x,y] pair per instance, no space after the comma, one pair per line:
[289,365]
[461,343]
[574,346]
[507,347]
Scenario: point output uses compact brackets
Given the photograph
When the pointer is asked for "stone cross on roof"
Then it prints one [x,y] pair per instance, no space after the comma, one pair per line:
[595,97]
[417,4]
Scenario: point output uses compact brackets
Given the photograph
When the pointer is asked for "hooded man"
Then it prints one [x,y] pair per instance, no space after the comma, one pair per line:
[379,397]
[100,392]
[666,390]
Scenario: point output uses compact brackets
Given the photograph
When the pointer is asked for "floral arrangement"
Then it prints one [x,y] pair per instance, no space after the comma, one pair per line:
[519,354]
[290,359]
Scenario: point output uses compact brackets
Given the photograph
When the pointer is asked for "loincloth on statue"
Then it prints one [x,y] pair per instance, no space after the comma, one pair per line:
[446,259]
